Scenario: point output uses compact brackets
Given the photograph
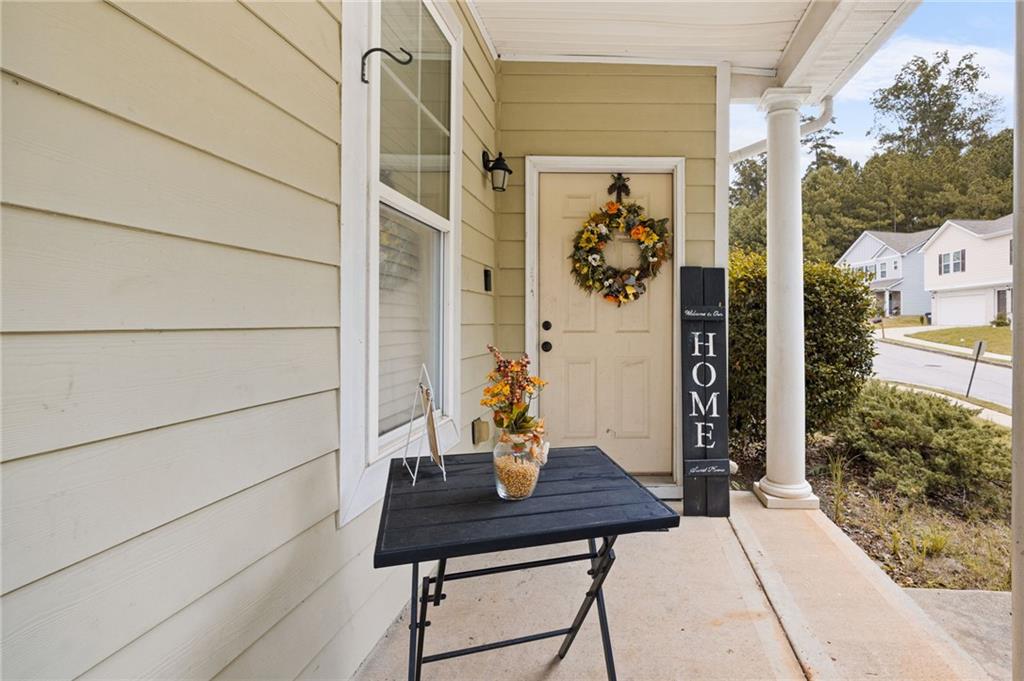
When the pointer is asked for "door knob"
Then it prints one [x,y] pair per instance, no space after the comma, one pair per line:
[546,325]
[546,346]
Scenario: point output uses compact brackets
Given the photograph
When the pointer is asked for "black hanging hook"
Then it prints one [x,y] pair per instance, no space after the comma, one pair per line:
[407,60]
[619,186]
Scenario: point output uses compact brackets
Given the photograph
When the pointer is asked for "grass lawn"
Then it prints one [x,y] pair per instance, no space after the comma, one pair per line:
[902,320]
[998,338]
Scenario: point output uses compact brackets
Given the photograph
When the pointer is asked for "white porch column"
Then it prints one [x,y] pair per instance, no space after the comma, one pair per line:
[784,485]
[1017,303]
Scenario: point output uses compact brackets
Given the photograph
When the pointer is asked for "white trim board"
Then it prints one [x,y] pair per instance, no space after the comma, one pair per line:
[363,455]
[535,165]
[998,283]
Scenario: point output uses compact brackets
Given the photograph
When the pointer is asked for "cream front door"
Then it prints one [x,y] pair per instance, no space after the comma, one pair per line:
[609,368]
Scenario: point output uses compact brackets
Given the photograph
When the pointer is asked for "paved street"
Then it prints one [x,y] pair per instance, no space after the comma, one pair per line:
[920,367]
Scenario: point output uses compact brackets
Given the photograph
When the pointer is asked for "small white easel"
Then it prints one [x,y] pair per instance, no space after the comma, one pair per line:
[424,400]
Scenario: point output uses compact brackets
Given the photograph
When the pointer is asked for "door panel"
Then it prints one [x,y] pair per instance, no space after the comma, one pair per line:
[610,367]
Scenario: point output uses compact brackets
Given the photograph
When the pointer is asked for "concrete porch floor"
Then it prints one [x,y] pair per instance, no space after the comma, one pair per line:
[762,595]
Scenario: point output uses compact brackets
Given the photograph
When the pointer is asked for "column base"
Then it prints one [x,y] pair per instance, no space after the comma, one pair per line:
[806,503]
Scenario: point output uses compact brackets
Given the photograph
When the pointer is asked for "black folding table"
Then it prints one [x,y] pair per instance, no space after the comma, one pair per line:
[581,495]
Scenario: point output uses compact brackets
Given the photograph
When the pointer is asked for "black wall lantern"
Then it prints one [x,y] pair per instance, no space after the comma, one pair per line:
[499,171]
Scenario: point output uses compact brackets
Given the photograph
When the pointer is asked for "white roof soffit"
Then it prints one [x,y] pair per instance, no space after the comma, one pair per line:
[819,44]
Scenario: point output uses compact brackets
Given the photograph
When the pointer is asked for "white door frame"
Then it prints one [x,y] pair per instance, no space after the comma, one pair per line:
[535,165]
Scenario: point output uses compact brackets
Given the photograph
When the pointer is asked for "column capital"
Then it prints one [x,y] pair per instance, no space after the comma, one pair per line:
[778,98]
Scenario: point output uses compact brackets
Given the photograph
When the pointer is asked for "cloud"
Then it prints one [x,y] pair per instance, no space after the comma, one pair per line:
[855,148]
[882,68]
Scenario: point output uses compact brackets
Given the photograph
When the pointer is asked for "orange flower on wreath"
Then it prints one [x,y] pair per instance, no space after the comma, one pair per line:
[637,233]
[611,207]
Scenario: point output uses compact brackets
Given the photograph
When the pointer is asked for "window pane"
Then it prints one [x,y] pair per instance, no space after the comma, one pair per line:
[410,314]
[415,106]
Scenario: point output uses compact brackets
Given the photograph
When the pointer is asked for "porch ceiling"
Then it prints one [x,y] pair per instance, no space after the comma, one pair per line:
[818,43]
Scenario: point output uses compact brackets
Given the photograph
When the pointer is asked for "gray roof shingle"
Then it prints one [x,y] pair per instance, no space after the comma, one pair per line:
[902,242]
[986,227]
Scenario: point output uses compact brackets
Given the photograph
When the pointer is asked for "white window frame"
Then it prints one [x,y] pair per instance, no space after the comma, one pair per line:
[882,270]
[947,263]
[956,259]
[363,454]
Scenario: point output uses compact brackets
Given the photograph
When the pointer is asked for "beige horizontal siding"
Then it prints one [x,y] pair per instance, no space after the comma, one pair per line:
[170,309]
[307,27]
[63,156]
[92,609]
[140,77]
[62,390]
[479,235]
[225,35]
[206,635]
[590,109]
[67,274]
[67,506]
[356,598]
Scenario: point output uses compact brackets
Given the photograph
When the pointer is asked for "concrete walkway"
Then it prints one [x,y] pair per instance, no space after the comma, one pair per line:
[902,335]
[762,595]
[980,621]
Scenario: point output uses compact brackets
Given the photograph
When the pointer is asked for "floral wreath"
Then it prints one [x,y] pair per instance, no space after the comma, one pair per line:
[590,269]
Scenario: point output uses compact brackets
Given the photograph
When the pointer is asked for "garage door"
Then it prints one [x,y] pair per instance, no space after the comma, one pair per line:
[961,310]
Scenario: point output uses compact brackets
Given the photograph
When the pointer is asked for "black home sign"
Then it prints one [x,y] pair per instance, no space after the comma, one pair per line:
[705,407]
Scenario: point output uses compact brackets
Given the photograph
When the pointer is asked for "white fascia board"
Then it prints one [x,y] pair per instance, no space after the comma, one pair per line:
[998,283]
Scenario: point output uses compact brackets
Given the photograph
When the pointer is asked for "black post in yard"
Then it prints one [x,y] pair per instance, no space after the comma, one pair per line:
[979,350]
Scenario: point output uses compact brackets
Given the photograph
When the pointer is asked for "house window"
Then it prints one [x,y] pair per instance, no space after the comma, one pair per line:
[881,270]
[409,311]
[415,106]
[955,261]
[414,197]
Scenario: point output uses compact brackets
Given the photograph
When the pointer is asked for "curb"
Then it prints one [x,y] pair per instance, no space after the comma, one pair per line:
[948,353]
[984,413]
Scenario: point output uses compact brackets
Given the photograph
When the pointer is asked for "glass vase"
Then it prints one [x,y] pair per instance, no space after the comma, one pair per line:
[518,458]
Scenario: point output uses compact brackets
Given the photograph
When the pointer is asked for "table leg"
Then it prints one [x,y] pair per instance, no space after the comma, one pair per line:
[602,617]
[412,621]
[600,566]
[424,599]
[439,587]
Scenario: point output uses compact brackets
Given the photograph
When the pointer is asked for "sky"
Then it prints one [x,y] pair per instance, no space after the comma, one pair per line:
[960,27]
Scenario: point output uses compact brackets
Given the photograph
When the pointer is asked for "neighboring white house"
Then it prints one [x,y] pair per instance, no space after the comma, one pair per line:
[968,271]
[895,264]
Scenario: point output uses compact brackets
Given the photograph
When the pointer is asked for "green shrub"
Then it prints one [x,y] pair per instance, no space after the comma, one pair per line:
[1001,320]
[838,344]
[923,447]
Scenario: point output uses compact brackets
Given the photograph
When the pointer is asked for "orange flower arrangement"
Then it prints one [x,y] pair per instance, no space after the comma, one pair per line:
[510,392]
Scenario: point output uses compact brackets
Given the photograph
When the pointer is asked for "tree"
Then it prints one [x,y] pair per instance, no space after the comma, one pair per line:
[936,162]
[934,104]
[823,151]
[750,181]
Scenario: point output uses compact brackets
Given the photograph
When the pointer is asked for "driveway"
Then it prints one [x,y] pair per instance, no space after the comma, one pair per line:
[920,367]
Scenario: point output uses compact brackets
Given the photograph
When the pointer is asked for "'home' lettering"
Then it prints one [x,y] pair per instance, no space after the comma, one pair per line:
[703,370]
